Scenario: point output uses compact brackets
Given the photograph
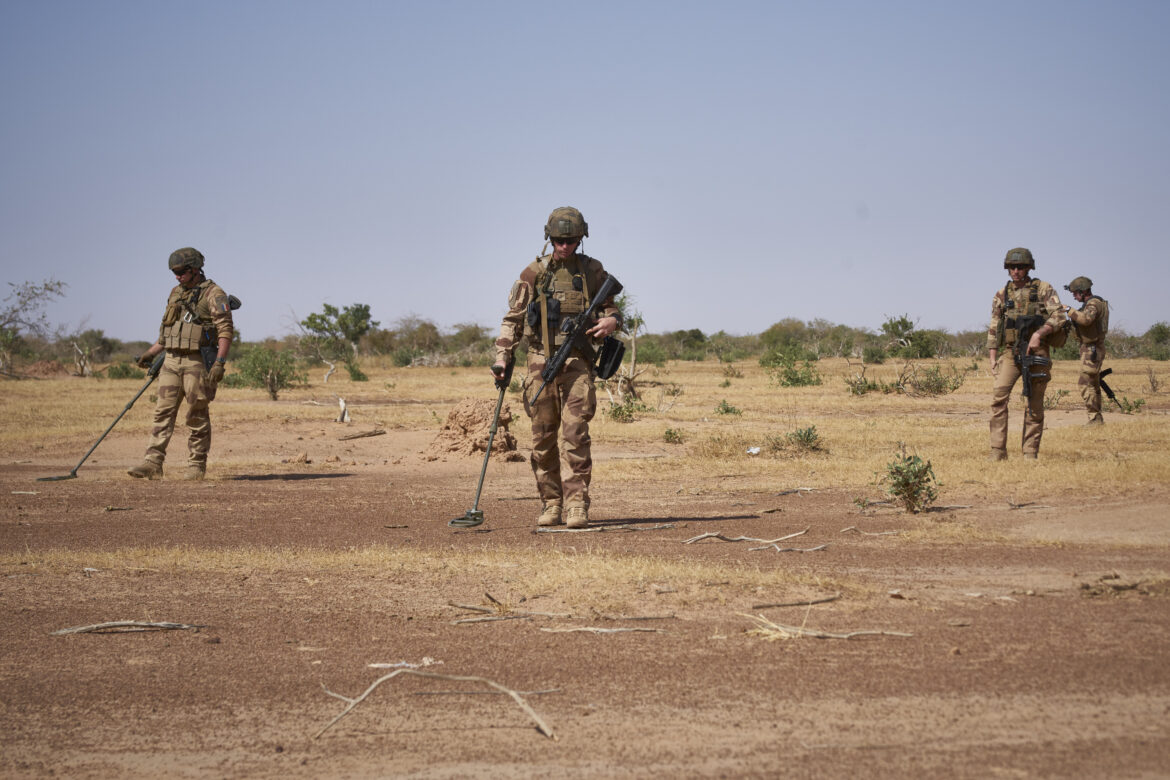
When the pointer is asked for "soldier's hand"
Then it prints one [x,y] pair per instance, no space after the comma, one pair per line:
[498,371]
[144,360]
[216,373]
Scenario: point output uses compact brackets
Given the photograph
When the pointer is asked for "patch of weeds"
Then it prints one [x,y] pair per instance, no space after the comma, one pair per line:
[1052,400]
[514,386]
[355,373]
[933,381]
[1131,407]
[860,384]
[910,481]
[725,383]
[124,371]
[627,411]
[786,372]
[805,439]
[671,436]
[731,372]
[725,408]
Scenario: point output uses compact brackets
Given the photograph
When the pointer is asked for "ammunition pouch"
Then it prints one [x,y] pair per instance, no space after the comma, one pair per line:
[609,359]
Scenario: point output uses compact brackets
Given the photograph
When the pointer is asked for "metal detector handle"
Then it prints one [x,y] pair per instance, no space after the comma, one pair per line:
[505,380]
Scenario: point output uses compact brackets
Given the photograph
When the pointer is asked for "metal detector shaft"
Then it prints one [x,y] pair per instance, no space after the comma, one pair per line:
[152,374]
[487,455]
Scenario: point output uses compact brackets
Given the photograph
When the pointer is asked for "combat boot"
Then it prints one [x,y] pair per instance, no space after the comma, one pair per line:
[147,469]
[550,516]
[195,472]
[997,454]
[577,517]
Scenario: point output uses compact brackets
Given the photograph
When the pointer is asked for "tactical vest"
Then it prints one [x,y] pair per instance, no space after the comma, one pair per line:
[1021,302]
[561,292]
[186,324]
[1095,332]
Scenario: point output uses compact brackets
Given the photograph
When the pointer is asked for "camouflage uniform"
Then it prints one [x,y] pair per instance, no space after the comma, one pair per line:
[1090,324]
[1034,297]
[193,318]
[569,401]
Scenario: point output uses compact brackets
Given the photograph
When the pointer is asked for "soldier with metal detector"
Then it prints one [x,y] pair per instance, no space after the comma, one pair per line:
[1027,318]
[196,333]
[1090,323]
[563,304]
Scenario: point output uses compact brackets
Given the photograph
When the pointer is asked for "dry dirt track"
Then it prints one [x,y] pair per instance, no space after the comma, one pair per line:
[1028,658]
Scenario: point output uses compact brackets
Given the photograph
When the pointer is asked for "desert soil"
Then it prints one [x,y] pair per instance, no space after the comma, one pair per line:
[1039,635]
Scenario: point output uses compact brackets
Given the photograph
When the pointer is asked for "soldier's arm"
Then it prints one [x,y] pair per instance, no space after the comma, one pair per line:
[221,320]
[512,326]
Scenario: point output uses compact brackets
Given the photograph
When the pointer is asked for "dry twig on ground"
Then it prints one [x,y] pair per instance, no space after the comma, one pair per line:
[375,432]
[351,703]
[595,630]
[857,530]
[602,528]
[825,600]
[771,631]
[766,543]
[124,627]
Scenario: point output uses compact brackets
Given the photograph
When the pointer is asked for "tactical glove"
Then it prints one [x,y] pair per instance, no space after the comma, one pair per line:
[216,373]
[144,360]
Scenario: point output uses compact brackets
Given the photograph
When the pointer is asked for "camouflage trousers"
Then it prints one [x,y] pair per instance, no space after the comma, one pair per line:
[567,404]
[1089,382]
[1007,373]
[182,375]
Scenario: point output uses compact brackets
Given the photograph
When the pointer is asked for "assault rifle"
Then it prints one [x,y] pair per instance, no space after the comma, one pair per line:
[1108,390]
[1032,367]
[574,327]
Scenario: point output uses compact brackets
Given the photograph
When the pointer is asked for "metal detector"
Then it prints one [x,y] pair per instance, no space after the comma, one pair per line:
[474,516]
[151,375]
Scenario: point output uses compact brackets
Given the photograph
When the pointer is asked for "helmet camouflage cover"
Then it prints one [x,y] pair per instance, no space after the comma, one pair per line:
[1080,284]
[566,222]
[1019,256]
[187,256]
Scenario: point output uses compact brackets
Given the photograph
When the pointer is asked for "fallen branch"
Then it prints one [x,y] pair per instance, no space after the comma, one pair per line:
[124,627]
[602,528]
[825,600]
[485,693]
[489,619]
[595,630]
[798,491]
[721,537]
[375,432]
[502,609]
[1030,504]
[857,530]
[780,549]
[772,631]
[351,703]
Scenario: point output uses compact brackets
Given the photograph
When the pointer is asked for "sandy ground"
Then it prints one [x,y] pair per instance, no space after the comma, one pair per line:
[1039,639]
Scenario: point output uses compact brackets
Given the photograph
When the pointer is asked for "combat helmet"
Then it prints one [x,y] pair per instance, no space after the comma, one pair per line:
[565,222]
[1081,284]
[187,256]
[1019,256]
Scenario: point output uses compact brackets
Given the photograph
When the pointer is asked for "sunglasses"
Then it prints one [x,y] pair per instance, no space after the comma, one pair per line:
[565,241]
[181,271]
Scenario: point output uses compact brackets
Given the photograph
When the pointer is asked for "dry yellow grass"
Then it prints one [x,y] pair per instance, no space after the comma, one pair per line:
[859,435]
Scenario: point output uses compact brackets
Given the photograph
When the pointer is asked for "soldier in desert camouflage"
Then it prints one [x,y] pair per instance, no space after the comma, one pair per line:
[1022,296]
[198,314]
[555,287]
[1090,323]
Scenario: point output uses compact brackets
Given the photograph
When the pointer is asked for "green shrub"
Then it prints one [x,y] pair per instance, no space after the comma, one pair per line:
[671,436]
[806,439]
[627,410]
[124,371]
[725,408]
[910,481]
[270,370]
[783,370]
[933,381]
[355,372]
[404,356]
[873,354]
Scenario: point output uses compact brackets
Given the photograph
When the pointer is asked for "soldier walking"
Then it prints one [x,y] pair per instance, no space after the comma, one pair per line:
[198,314]
[1021,297]
[1090,323]
[551,289]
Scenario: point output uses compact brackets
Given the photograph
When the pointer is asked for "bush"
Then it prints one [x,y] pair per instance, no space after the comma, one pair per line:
[355,372]
[404,356]
[780,365]
[872,353]
[627,410]
[124,371]
[726,408]
[671,436]
[269,369]
[933,381]
[910,481]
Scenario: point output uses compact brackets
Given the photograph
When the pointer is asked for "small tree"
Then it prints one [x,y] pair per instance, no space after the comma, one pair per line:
[267,368]
[23,311]
[332,336]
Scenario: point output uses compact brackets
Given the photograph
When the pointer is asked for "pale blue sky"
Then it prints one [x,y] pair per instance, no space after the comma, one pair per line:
[738,162]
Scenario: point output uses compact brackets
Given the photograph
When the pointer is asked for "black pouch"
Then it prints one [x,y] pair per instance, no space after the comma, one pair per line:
[609,359]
